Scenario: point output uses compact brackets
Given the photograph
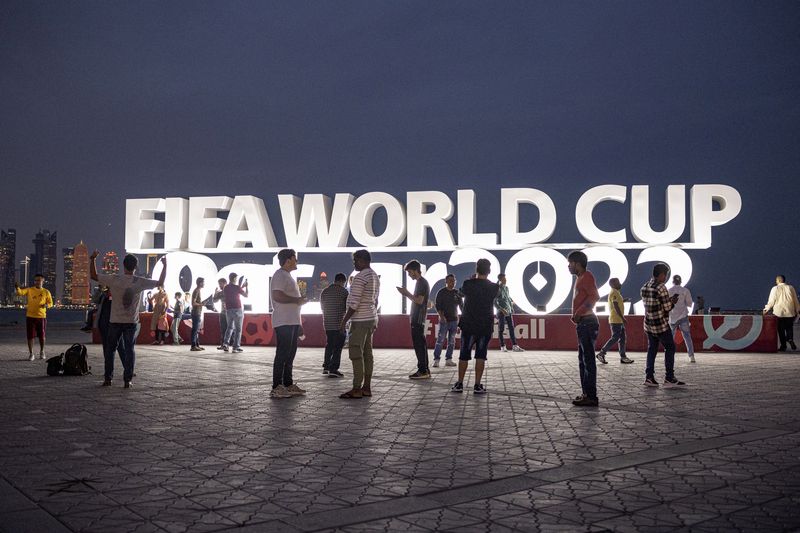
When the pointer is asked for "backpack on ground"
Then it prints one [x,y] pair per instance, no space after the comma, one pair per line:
[76,362]
[55,365]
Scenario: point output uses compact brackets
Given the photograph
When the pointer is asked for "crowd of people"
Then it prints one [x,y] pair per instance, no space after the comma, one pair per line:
[350,317]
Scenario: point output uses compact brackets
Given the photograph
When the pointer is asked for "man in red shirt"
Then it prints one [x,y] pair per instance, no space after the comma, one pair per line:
[584,296]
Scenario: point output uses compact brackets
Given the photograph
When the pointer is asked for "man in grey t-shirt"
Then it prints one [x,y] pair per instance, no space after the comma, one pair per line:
[286,303]
[419,308]
[126,291]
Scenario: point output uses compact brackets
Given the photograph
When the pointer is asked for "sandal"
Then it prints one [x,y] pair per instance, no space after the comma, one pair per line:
[351,394]
[366,392]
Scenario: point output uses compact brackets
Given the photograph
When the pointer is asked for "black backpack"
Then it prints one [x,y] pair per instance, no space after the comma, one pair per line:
[55,365]
[75,361]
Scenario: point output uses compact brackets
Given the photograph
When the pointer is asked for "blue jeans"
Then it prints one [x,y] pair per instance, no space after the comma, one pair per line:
[126,333]
[285,350]
[587,330]
[665,338]
[196,329]
[502,321]
[686,330]
[448,330]
[617,335]
[233,334]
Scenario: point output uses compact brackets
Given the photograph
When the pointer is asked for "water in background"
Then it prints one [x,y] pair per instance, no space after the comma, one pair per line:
[12,317]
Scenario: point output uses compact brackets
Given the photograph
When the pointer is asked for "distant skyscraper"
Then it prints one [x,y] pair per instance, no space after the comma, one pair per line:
[110,263]
[44,259]
[8,265]
[24,272]
[80,275]
[66,296]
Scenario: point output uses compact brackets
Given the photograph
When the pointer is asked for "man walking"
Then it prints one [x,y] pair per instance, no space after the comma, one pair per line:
[177,315]
[784,305]
[286,304]
[584,298]
[617,322]
[126,290]
[333,301]
[477,323]
[232,303]
[219,296]
[448,302]
[419,309]
[362,312]
[39,300]
[197,314]
[657,305]
[679,315]
[505,309]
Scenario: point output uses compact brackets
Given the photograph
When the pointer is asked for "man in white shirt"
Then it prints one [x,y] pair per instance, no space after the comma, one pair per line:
[784,304]
[126,291]
[286,303]
[679,315]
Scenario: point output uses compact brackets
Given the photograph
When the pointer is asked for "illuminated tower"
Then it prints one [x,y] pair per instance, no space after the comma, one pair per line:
[8,266]
[80,275]
[66,295]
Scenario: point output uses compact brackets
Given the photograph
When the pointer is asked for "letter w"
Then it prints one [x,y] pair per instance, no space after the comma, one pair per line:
[312,222]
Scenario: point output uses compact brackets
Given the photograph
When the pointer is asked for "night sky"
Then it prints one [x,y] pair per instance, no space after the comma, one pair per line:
[103,101]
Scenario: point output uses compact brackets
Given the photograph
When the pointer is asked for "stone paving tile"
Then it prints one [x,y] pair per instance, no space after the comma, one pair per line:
[201,447]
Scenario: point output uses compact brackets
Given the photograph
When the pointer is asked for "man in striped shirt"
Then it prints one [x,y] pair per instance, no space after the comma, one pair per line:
[362,312]
[333,301]
[657,305]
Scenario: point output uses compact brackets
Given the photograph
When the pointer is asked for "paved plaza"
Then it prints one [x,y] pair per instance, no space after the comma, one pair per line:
[197,445]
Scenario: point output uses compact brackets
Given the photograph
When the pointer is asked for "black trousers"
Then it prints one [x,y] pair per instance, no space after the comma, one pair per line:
[420,346]
[785,330]
[333,349]
[285,350]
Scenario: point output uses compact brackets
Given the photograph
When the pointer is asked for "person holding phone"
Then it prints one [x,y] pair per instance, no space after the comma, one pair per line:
[657,305]
[39,301]
[234,311]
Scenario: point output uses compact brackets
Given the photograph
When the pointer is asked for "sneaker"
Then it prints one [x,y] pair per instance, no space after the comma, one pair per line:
[128,384]
[195,349]
[650,382]
[420,375]
[626,361]
[435,363]
[450,362]
[503,348]
[31,357]
[41,356]
[200,348]
[106,383]
[793,345]
[237,350]
[86,329]
[280,392]
[692,359]
[223,348]
[601,356]
[586,402]
[324,371]
[478,389]
[517,348]
[335,374]
[294,390]
[457,387]
[673,384]
[579,397]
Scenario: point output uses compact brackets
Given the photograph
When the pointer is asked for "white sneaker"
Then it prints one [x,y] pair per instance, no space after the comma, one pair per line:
[294,390]
[517,348]
[280,392]
[691,359]
[435,363]
[41,355]
[31,358]
[503,348]
[450,362]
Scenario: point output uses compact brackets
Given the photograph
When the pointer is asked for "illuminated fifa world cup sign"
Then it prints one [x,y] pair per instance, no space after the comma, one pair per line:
[189,229]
